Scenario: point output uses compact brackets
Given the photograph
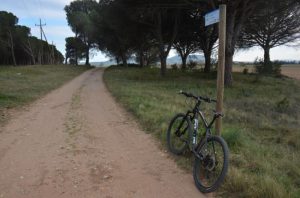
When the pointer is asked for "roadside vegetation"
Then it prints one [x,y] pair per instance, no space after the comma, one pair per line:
[20,85]
[261,124]
[147,30]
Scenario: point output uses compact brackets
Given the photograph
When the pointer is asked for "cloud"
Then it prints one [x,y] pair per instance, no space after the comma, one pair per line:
[36,8]
[58,2]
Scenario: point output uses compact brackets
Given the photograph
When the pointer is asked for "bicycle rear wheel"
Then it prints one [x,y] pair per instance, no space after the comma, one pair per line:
[179,134]
[209,172]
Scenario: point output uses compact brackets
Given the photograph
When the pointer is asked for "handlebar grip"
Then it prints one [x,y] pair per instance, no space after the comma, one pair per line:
[206,99]
[186,94]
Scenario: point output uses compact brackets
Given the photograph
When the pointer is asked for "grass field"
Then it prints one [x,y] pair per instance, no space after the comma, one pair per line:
[292,71]
[23,84]
[261,124]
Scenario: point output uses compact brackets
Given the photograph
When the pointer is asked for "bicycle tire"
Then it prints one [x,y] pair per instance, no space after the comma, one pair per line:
[187,132]
[200,164]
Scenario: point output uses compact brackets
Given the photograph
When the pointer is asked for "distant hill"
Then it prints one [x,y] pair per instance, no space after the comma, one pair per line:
[177,59]
[103,64]
[108,63]
[170,61]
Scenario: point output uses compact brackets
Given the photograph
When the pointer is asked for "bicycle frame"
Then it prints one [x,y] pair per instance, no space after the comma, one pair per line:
[194,115]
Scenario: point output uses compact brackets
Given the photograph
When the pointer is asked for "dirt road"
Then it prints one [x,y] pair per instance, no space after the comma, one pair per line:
[77,142]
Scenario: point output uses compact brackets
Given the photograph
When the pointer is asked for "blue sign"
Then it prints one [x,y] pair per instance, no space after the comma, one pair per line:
[212,17]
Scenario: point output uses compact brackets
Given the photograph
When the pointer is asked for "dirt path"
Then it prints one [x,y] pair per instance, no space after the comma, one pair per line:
[77,142]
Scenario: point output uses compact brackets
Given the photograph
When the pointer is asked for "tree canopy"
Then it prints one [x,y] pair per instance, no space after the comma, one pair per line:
[79,16]
[142,28]
[275,24]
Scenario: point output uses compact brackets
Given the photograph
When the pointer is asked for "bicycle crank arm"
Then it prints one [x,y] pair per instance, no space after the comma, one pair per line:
[197,155]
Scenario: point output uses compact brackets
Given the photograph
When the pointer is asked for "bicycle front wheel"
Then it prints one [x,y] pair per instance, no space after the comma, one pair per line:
[179,134]
[209,171]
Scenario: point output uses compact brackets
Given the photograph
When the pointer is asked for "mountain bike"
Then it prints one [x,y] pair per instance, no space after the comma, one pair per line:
[211,152]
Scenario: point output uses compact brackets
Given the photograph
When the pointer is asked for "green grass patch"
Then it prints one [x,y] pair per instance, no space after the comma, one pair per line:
[23,84]
[261,123]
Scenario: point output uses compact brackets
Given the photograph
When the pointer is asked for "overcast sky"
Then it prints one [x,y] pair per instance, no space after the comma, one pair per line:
[52,13]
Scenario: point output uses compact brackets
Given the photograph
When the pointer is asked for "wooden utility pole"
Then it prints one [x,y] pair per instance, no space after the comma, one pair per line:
[221,66]
[41,48]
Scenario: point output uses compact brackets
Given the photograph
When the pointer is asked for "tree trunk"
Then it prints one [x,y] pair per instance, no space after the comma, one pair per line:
[117,60]
[183,59]
[266,55]
[33,60]
[124,61]
[87,55]
[207,55]
[164,47]
[27,48]
[142,62]
[228,69]
[66,59]
[76,57]
[76,50]
[163,65]
[12,48]
[238,12]
[229,48]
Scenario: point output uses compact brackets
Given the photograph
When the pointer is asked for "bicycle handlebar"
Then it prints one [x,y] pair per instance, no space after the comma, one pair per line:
[190,95]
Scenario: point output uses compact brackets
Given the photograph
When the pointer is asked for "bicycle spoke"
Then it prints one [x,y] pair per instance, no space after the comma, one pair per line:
[211,165]
[179,134]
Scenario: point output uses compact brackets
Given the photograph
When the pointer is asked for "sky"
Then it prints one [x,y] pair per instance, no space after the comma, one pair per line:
[52,13]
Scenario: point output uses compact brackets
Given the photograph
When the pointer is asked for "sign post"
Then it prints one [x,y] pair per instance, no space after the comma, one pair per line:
[221,66]
[211,18]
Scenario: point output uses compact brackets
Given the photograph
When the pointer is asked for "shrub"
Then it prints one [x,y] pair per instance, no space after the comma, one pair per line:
[192,64]
[268,68]
[245,71]
[174,66]
[133,65]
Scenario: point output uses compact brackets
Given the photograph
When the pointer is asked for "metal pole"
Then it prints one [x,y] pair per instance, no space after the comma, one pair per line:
[221,66]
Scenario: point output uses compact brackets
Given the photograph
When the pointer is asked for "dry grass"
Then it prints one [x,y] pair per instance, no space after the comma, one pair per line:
[292,71]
